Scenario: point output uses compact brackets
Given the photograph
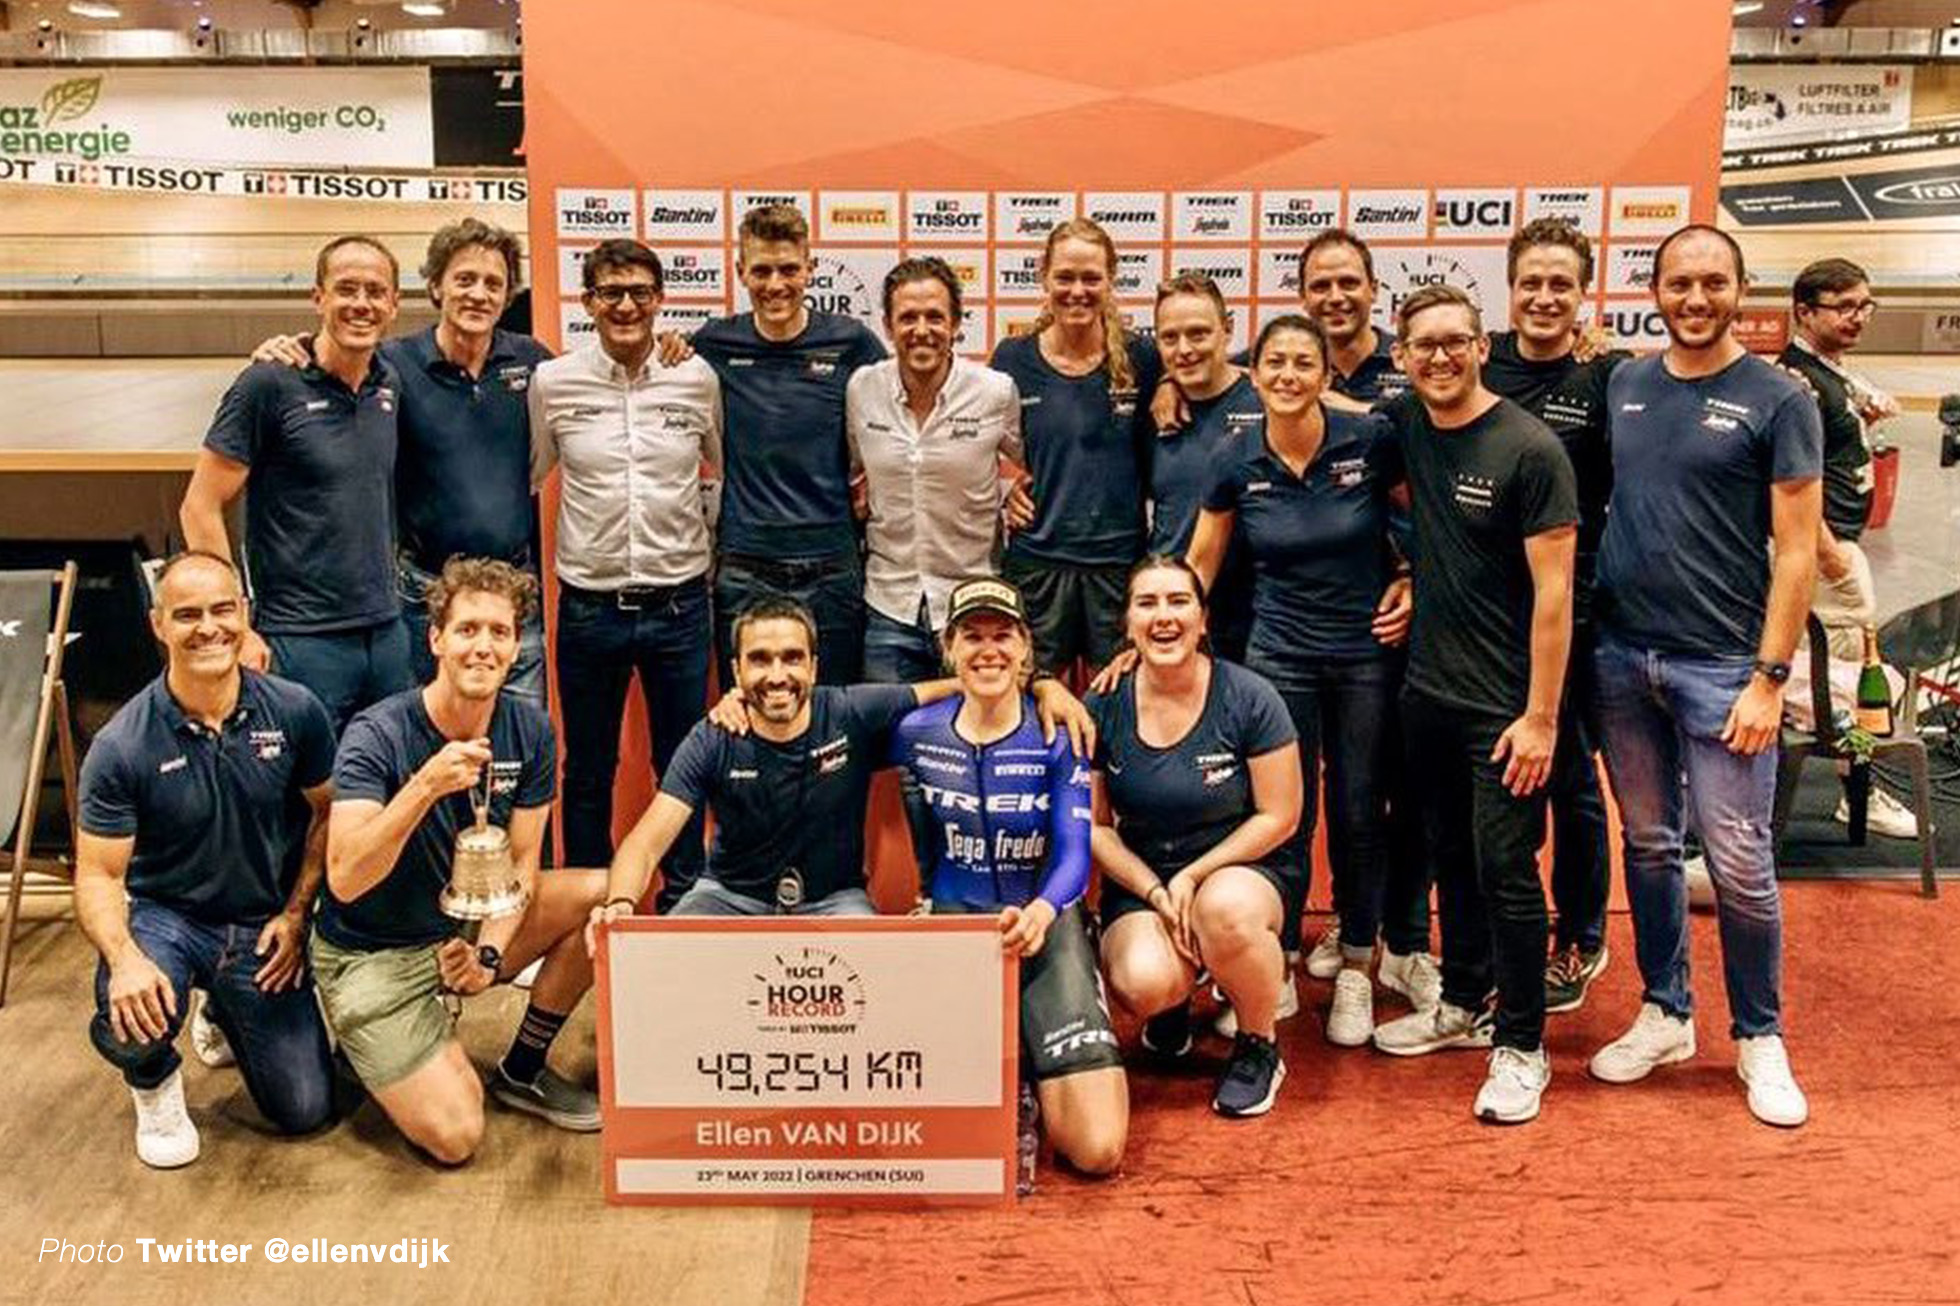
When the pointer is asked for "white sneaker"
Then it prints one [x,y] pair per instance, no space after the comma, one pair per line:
[1226,1025]
[208,1042]
[1439,1028]
[1351,1020]
[1884,815]
[1516,1082]
[1416,976]
[1774,1097]
[1701,885]
[165,1136]
[1324,962]
[1656,1039]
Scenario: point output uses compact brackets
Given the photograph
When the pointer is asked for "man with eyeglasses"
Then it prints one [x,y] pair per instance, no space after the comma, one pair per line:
[316,446]
[632,436]
[1705,574]
[1495,510]
[1831,303]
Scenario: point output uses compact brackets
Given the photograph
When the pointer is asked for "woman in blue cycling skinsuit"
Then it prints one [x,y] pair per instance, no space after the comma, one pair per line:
[1010,822]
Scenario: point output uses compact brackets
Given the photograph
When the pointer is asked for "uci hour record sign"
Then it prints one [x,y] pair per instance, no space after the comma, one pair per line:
[788,1061]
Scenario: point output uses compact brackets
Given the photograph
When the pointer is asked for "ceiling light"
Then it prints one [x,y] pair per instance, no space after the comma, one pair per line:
[1743,8]
[424,8]
[94,9]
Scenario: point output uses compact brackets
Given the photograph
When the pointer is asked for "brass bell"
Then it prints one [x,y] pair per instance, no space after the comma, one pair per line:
[483,883]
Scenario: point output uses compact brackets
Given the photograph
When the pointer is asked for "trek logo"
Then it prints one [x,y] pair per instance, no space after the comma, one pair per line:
[996,805]
[267,745]
[1347,473]
[504,776]
[833,756]
[516,378]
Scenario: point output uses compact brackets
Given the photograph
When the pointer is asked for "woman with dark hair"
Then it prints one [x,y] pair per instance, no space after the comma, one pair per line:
[1309,501]
[1197,786]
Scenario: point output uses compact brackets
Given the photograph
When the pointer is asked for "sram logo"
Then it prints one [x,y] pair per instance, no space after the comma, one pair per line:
[997,804]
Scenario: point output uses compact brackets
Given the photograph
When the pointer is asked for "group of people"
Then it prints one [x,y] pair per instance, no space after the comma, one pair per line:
[1438,572]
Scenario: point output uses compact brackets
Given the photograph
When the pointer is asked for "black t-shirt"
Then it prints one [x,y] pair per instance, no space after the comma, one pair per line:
[1847,449]
[382,750]
[1570,397]
[1477,493]
[1174,804]
[796,804]
[1088,449]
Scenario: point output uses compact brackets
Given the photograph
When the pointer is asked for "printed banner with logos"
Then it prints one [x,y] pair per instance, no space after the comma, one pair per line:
[972,142]
[1922,141]
[269,183]
[861,1062]
[1798,102]
[290,117]
[1903,195]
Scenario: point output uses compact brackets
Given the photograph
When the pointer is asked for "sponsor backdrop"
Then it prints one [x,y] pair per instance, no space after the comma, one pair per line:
[1807,102]
[1222,148]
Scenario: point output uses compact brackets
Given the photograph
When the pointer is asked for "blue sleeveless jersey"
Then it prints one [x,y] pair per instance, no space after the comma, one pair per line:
[1010,818]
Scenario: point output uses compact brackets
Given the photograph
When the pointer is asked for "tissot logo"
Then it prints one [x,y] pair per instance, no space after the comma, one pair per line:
[941,220]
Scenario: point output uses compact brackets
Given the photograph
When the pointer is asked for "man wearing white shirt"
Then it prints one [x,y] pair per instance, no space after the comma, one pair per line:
[634,544]
[928,430]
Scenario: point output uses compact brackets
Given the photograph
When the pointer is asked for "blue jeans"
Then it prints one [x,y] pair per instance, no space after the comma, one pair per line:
[661,632]
[832,588]
[899,654]
[1343,712]
[1662,717]
[279,1038]
[346,669]
[526,679]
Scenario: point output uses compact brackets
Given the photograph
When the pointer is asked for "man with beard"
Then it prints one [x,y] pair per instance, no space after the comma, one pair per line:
[1717,456]
[787,786]
[203,812]
[413,771]
[1495,512]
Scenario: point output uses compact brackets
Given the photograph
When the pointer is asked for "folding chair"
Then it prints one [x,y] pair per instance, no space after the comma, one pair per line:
[31,651]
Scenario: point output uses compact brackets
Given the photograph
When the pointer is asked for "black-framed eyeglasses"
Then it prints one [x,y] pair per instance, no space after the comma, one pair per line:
[610,296]
[1454,346]
[1851,308]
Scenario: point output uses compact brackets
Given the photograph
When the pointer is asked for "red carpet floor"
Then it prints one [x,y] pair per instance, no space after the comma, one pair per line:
[1371,1182]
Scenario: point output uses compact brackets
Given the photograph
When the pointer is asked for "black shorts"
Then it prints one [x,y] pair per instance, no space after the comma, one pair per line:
[1118,902]
[1065,1027]
[1073,612]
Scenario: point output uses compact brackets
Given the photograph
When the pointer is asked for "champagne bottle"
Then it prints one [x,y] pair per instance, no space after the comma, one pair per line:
[1874,714]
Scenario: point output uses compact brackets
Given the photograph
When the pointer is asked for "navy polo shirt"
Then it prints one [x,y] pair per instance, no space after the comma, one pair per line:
[320,498]
[1319,541]
[1088,448]
[1375,378]
[1684,565]
[796,804]
[1175,804]
[786,489]
[382,750]
[219,817]
[1185,463]
[463,471]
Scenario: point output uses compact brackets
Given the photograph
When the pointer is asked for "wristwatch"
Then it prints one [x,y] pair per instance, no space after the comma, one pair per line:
[1775,672]
[490,958]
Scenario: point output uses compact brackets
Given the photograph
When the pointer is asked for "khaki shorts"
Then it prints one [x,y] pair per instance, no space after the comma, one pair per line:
[386,1008]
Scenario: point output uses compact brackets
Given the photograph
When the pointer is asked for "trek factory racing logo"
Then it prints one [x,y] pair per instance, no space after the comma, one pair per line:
[807,990]
[1223,216]
[38,129]
[1031,216]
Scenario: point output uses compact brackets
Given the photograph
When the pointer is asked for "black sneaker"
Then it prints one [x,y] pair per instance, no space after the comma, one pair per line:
[1569,974]
[1252,1078]
[1168,1033]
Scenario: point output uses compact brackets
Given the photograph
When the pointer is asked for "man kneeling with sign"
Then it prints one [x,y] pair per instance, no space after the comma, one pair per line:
[413,772]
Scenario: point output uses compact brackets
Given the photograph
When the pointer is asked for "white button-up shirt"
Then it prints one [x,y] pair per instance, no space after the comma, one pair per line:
[635,506]
[934,488]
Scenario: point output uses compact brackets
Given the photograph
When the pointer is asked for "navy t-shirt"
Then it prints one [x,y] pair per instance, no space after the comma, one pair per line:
[1684,566]
[320,501]
[463,470]
[787,486]
[220,819]
[382,750]
[1088,450]
[798,804]
[1477,492]
[1175,804]
[1186,463]
[1375,378]
[1570,397]
[1318,541]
